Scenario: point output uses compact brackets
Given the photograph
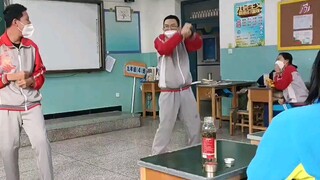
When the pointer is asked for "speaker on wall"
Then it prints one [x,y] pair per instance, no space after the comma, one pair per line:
[128,0]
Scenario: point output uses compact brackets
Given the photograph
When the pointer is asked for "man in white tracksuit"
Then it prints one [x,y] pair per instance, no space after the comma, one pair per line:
[176,98]
[21,77]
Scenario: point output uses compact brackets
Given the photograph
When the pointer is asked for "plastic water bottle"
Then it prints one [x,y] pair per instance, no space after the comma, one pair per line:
[209,133]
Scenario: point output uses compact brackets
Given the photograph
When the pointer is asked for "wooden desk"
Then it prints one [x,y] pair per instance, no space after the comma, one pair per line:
[150,87]
[255,138]
[187,163]
[208,92]
[261,95]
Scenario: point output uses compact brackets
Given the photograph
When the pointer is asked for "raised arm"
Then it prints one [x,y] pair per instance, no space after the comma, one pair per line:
[193,43]
[166,47]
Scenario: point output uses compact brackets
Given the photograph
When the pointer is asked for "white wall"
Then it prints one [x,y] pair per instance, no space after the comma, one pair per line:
[178,8]
[152,13]
[227,34]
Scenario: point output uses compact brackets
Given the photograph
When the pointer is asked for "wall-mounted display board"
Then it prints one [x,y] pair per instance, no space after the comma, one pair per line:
[299,25]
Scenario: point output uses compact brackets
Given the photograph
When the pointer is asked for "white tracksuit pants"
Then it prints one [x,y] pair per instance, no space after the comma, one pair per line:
[10,127]
[181,104]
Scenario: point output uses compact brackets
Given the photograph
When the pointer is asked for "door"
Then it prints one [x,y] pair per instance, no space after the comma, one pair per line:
[2,24]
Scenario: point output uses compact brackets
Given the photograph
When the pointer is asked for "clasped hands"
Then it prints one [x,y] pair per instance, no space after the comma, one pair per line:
[186,30]
[22,79]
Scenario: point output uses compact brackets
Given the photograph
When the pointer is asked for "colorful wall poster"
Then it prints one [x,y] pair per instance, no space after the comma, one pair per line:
[249,21]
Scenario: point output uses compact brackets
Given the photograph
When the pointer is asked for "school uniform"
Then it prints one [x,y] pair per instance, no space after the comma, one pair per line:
[176,98]
[21,108]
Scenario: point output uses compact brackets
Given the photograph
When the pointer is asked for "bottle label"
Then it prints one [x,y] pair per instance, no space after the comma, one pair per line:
[208,148]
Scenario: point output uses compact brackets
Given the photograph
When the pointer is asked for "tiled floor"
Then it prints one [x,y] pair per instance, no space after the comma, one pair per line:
[106,156]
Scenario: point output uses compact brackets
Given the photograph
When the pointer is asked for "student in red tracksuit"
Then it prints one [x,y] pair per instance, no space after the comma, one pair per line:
[176,98]
[289,149]
[21,77]
[289,81]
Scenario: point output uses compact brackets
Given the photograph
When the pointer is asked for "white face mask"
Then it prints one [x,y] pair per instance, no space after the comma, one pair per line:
[280,64]
[27,30]
[170,33]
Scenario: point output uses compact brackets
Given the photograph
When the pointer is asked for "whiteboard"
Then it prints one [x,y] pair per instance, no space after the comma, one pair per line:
[67,33]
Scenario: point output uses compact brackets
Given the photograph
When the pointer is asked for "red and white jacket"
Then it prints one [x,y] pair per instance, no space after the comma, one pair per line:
[13,60]
[173,59]
[292,85]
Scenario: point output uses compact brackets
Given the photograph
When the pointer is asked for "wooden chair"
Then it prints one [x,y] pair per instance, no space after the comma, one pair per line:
[234,120]
[240,118]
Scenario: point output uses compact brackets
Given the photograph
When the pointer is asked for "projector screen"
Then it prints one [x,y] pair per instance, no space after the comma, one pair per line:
[69,34]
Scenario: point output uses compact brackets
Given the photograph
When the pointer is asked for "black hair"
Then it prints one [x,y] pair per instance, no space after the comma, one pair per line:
[13,11]
[314,81]
[172,17]
[286,56]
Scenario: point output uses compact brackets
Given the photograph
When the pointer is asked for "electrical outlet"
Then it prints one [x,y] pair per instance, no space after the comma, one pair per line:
[117,95]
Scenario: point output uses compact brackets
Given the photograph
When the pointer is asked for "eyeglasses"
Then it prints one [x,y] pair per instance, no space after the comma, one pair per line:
[172,27]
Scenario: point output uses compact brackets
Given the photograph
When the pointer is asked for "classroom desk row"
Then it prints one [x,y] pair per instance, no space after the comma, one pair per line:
[255,95]
[208,92]
[204,92]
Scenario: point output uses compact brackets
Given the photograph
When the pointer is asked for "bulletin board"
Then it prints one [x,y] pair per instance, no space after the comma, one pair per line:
[299,25]
[122,37]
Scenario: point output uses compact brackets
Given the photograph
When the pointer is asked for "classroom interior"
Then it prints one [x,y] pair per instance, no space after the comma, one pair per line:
[101,121]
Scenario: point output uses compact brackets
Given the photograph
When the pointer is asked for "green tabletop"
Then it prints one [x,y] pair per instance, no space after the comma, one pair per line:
[187,163]
[226,84]
[256,136]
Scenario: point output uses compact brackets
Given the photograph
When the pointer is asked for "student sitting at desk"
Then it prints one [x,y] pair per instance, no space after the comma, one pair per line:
[288,80]
[261,82]
[289,149]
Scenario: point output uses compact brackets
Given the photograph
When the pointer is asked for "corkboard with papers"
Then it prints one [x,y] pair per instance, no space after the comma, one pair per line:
[299,25]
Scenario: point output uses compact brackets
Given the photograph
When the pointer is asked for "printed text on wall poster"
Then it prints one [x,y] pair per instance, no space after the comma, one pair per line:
[250,23]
